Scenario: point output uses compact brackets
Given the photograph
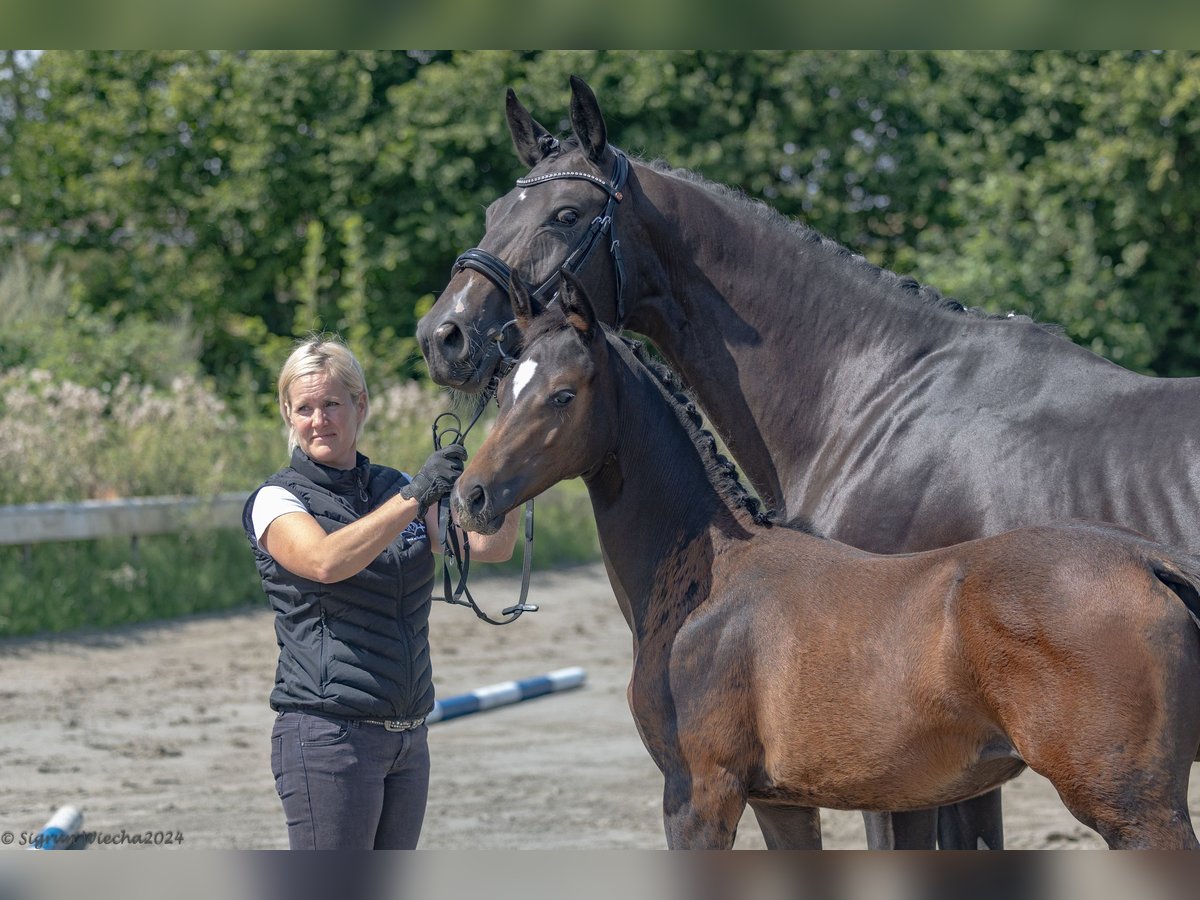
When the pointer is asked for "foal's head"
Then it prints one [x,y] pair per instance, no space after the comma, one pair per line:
[557,410]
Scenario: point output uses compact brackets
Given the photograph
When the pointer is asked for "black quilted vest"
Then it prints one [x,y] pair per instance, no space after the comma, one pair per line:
[360,647]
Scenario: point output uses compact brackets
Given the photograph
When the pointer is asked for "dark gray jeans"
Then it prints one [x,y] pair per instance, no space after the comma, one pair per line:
[347,785]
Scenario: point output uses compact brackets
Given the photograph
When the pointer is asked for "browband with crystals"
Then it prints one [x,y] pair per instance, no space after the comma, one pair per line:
[586,176]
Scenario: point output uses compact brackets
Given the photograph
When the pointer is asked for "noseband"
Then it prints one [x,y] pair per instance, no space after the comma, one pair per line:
[499,273]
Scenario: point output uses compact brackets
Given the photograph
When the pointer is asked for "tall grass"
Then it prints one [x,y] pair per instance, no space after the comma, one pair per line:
[103,583]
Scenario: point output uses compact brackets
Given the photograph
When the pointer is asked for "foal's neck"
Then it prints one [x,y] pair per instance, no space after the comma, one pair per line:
[660,519]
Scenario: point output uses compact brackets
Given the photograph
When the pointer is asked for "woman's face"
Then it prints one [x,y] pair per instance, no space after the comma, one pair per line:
[325,419]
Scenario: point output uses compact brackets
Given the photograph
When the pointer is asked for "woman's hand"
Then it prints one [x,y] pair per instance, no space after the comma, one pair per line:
[437,477]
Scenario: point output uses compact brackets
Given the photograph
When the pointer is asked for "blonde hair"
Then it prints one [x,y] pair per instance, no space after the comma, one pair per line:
[322,354]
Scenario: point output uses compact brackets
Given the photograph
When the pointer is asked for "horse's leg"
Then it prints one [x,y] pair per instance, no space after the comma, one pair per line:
[975,824]
[701,812]
[915,830]
[789,827]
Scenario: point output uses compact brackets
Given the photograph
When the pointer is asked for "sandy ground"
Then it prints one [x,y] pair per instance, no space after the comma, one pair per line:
[165,728]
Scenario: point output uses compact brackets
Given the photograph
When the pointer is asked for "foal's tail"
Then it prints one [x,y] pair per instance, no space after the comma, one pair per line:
[1182,575]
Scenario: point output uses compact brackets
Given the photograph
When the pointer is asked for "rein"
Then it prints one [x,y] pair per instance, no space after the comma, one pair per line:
[454,553]
[499,273]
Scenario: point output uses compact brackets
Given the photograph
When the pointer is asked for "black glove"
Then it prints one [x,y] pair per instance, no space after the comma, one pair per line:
[436,477]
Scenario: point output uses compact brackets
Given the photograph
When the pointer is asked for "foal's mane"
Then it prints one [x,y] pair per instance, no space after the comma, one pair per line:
[722,472]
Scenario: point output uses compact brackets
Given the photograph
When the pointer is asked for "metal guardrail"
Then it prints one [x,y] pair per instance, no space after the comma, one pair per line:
[36,523]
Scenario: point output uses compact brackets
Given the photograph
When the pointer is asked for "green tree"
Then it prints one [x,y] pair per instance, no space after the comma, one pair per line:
[262,191]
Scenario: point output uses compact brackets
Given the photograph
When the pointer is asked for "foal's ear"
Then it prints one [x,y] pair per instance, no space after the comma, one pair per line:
[577,306]
[586,120]
[532,142]
[522,303]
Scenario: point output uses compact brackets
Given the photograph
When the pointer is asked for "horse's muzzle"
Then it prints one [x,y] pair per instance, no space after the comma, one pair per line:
[454,359]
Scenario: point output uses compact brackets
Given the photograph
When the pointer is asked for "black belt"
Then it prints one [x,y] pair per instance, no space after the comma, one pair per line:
[395,724]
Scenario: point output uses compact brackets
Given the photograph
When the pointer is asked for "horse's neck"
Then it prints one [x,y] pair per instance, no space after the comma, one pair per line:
[768,327]
[654,503]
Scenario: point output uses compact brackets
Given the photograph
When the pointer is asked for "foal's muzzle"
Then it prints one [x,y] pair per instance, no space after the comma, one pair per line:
[473,508]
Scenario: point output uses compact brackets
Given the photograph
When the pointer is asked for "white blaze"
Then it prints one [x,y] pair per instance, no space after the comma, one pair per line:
[524,372]
[459,306]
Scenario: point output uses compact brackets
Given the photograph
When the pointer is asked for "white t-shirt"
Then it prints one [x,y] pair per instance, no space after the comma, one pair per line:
[270,503]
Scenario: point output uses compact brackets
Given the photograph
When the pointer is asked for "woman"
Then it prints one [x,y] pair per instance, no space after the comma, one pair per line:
[344,549]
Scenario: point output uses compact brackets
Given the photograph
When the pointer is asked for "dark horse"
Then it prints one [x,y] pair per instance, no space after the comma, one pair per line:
[892,419]
[777,668]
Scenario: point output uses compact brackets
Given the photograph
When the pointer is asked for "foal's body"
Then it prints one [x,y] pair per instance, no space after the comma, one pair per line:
[819,676]
[792,672]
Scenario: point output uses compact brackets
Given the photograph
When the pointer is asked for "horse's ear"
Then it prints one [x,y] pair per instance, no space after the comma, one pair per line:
[586,120]
[531,140]
[522,303]
[577,306]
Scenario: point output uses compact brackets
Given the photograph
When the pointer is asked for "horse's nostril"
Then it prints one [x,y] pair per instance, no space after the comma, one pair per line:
[451,339]
[476,499]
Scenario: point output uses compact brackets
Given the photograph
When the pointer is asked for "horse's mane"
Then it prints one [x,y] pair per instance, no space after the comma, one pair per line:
[903,285]
[722,472]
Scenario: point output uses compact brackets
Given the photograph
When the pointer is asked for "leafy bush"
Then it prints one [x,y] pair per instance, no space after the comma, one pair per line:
[45,325]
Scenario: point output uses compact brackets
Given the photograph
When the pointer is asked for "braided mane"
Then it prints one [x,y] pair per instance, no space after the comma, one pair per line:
[722,472]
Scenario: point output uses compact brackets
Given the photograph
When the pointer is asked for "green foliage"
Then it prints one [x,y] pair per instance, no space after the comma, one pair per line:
[43,325]
[263,192]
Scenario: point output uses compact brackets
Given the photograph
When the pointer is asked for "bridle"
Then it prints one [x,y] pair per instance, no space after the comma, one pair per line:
[499,272]
[456,554]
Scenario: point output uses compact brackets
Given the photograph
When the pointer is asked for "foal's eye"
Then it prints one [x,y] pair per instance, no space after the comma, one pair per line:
[567,217]
[561,398]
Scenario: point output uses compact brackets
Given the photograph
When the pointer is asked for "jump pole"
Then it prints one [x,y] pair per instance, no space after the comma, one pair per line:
[63,825]
[506,692]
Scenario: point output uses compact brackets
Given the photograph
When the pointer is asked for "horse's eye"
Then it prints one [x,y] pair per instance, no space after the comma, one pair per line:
[561,398]
[567,217]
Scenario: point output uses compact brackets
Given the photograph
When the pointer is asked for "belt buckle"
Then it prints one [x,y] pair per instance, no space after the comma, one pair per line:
[401,724]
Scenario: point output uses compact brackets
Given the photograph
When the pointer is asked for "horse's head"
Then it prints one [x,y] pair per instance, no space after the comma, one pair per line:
[551,221]
[557,411]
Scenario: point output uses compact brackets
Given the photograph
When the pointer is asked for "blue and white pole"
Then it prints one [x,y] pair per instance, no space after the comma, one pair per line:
[506,692]
[63,825]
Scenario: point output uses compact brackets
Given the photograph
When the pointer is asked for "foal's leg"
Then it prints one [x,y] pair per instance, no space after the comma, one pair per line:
[975,824]
[1135,801]
[916,830]
[789,827]
[701,812]
[1146,825]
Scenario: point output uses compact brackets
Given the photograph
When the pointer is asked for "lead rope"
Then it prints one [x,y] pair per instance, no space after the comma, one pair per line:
[454,553]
